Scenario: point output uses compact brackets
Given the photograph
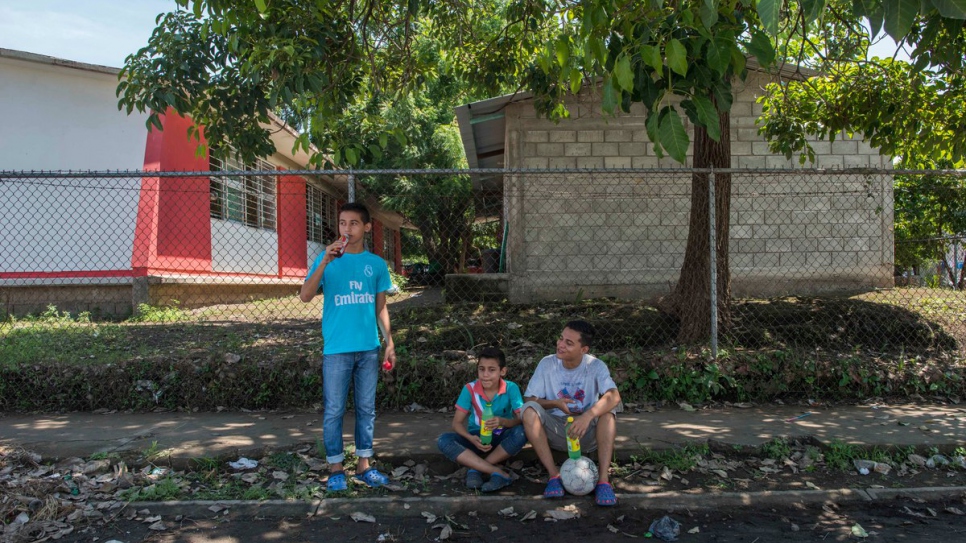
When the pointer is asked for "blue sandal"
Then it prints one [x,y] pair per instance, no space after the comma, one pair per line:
[371,478]
[495,483]
[604,495]
[554,488]
[337,482]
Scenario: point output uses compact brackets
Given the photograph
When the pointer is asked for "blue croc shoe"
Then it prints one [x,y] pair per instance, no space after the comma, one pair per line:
[337,482]
[371,478]
[496,482]
[474,480]
[604,495]
[554,488]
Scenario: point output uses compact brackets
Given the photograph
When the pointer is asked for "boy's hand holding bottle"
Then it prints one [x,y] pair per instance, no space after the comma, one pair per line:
[478,442]
[337,248]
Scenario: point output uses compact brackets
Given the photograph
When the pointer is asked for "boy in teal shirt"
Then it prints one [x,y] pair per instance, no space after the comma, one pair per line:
[464,446]
[353,282]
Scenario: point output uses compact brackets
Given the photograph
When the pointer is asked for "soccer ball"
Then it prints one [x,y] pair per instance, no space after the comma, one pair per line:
[579,477]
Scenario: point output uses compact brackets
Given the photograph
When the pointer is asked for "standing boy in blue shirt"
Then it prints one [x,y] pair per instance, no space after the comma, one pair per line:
[354,284]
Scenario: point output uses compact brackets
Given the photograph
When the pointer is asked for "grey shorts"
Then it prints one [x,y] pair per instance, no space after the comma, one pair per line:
[556,428]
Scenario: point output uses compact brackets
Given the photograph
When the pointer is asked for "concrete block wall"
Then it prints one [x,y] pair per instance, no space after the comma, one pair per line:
[624,234]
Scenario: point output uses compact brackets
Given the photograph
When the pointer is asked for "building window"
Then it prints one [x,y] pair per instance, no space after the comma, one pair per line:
[321,215]
[389,246]
[248,199]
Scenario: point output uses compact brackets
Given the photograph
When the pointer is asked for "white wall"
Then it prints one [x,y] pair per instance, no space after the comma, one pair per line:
[62,118]
[53,225]
[236,248]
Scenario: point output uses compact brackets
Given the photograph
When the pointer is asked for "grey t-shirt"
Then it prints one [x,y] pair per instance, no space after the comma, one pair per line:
[581,386]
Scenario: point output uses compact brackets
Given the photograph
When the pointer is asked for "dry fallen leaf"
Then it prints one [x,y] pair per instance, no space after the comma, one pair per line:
[430,518]
[445,532]
[694,530]
[557,514]
[529,516]
[362,517]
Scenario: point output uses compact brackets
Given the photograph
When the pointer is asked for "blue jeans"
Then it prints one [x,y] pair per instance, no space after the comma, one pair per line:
[338,370]
[452,444]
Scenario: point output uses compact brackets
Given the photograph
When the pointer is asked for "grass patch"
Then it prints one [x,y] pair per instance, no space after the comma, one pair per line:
[680,458]
[839,455]
[776,449]
[266,354]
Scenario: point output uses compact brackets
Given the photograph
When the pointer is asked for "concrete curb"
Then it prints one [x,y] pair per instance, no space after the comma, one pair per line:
[200,508]
[444,505]
[925,493]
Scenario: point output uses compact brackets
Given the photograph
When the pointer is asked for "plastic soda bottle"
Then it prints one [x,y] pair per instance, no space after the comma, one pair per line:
[573,444]
[486,435]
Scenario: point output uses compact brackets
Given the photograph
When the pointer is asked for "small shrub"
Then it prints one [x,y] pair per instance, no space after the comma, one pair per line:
[680,459]
[160,314]
[776,449]
[840,455]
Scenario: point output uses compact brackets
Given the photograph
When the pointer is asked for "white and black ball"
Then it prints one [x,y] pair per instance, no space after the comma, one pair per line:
[579,476]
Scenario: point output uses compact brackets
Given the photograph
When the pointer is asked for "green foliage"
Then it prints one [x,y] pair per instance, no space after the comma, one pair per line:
[902,110]
[154,314]
[286,461]
[682,458]
[777,449]
[206,463]
[152,452]
[229,64]
[878,345]
[164,489]
[928,210]
[839,455]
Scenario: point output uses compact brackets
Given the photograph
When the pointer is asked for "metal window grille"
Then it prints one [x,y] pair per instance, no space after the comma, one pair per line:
[321,215]
[250,200]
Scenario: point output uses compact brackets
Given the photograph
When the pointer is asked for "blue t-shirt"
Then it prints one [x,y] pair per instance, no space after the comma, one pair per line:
[506,403]
[350,284]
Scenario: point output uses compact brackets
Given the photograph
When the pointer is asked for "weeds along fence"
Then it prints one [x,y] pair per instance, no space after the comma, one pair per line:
[837,261]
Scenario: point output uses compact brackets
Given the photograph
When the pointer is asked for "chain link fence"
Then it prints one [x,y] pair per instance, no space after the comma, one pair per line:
[813,259]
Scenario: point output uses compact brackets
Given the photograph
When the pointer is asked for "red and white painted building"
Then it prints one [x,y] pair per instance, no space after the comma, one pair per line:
[96,243]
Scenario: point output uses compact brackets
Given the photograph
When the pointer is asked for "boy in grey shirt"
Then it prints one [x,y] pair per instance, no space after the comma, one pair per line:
[576,384]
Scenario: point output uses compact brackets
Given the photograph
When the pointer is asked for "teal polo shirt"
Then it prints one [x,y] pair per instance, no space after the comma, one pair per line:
[506,404]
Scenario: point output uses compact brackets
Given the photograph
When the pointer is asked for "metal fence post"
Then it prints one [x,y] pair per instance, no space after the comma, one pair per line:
[713,258]
[352,187]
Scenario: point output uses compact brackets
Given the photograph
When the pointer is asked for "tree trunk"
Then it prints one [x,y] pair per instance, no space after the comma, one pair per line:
[691,299]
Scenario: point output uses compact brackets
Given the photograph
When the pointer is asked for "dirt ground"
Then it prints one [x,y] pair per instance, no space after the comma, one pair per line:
[902,519]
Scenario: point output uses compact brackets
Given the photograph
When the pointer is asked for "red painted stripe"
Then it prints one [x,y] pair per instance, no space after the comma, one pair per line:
[136,272]
[292,249]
